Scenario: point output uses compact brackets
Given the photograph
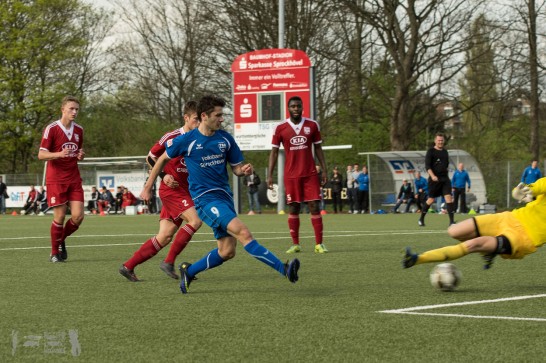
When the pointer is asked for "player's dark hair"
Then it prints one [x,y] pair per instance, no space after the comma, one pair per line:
[441,134]
[67,99]
[207,104]
[190,107]
[294,98]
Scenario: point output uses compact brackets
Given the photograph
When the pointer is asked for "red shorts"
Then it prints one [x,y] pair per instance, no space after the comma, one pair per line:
[174,204]
[304,189]
[58,194]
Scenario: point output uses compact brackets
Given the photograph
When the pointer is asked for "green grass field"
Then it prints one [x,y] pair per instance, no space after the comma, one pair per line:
[244,311]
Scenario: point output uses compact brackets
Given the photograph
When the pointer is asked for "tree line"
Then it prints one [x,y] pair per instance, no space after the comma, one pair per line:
[383,68]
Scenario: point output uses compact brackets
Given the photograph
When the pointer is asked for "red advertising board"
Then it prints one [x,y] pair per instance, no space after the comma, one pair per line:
[263,81]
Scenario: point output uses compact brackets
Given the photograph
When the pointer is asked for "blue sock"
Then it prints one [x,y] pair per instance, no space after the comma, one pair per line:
[211,260]
[262,254]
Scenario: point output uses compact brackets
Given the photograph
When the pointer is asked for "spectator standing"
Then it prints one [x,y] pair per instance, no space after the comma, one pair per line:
[336,183]
[31,204]
[460,180]
[300,177]
[439,184]
[363,180]
[62,148]
[531,173]
[350,189]
[405,195]
[252,182]
[421,190]
[3,196]
[356,173]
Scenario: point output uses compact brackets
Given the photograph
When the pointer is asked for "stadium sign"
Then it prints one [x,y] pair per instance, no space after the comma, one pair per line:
[263,81]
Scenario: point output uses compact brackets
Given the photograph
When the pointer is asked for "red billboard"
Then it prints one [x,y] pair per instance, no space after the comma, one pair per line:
[263,81]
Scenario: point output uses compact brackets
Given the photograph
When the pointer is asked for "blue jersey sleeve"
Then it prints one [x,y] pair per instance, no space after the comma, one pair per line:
[234,154]
[177,146]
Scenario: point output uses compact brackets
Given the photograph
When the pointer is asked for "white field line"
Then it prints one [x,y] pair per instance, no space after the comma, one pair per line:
[416,310]
[311,236]
[359,233]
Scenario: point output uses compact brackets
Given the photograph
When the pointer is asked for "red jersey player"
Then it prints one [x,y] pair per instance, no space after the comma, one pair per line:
[299,135]
[61,147]
[177,205]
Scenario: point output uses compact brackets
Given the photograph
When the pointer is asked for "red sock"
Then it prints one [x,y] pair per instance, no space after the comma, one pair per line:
[149,249]
[56,237]
[69,228]
[294,226]
[180,242]
[316,221]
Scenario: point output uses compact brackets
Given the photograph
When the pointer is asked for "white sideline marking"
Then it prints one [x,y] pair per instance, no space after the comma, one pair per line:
[413,310]
[312,236]
[359,233]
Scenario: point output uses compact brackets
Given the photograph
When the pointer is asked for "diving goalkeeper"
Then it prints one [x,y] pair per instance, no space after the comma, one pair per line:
[511,235]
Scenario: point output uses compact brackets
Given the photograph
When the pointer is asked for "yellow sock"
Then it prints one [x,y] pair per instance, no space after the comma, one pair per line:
[443,254]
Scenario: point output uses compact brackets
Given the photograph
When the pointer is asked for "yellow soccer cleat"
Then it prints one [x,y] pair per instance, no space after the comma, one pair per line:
[294,249]
[320,248]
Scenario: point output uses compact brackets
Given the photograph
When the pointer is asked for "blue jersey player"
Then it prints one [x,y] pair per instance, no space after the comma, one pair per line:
[207,150]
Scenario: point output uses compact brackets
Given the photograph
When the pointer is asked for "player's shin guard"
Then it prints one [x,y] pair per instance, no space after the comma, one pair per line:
[69,228]
[316,221]
[56,232]
[262,254]
[149,249]
[443,254]
[294,227]
[211,260]
[180,242]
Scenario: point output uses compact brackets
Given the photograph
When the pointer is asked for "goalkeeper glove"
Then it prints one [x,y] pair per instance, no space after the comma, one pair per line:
[522,193]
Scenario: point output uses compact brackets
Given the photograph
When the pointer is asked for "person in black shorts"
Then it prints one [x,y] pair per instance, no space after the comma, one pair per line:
[439,184]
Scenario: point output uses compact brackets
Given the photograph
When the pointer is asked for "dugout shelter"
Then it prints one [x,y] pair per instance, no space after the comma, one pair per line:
[388,169]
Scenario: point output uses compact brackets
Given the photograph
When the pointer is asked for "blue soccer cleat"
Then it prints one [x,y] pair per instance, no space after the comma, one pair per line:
[185,278]
[291,270]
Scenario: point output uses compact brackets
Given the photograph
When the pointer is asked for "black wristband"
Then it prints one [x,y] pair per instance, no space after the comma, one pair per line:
[162,175]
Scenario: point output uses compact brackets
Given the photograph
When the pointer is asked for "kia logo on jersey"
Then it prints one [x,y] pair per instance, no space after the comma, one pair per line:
[70,146]
[298,140]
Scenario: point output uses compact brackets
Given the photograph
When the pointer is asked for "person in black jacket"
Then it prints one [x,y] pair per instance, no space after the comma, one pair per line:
[336,182]
[439,184]
[93,203]
[252,182]
[118,200]
[3,196]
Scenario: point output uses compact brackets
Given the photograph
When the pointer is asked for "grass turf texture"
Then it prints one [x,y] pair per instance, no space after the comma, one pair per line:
[245,311]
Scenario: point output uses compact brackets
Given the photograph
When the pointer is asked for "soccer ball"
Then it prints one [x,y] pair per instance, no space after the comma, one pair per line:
[445,276]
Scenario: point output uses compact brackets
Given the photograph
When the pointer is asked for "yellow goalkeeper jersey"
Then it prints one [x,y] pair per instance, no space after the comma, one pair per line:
[533,215]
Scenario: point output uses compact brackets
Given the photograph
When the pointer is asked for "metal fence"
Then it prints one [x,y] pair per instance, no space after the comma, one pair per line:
[500,178]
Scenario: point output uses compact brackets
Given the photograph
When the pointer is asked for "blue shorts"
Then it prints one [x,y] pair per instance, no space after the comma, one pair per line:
[216,210]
